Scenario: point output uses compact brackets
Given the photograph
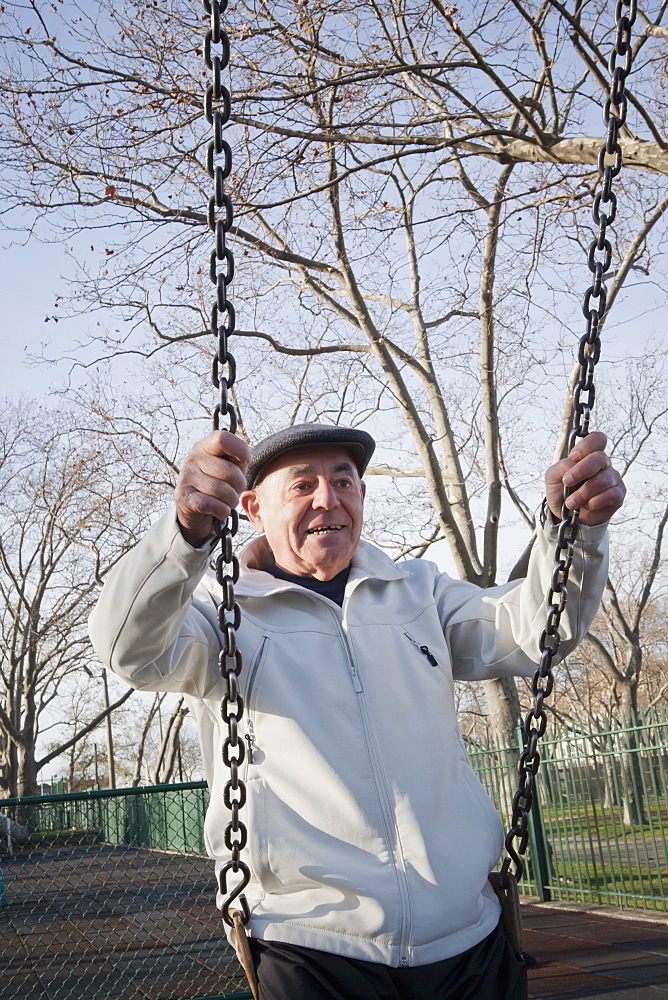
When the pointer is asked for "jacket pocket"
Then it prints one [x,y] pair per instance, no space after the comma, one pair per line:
[255,667]
[258,845]
[491,821]
[422,648]
[253,751]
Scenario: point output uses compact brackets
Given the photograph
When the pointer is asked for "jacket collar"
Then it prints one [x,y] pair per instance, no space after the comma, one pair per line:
[369,562]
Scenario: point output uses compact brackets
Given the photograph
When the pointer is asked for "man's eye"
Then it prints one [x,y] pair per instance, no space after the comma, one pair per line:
[344,482]
[301,487]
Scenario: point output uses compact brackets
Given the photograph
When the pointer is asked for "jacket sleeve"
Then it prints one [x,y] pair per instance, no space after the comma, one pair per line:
[148,627]
[495,632]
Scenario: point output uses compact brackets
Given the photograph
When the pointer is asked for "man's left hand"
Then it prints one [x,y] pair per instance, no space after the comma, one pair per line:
[601,491]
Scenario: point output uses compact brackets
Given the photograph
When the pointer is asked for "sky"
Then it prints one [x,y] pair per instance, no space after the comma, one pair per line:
[30,279]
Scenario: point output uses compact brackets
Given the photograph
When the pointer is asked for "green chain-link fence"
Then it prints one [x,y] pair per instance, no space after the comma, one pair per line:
[109,894]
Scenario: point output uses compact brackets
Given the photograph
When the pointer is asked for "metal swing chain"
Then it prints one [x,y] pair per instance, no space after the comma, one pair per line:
[599,259]
[220,216]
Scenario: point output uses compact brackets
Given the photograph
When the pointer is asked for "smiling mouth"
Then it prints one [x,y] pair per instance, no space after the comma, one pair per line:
[325,529]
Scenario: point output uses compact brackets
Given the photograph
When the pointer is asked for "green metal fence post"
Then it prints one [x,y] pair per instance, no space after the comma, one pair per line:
[540,859]
[540,854]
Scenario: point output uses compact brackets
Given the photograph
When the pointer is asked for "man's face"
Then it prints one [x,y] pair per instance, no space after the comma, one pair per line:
[309,505]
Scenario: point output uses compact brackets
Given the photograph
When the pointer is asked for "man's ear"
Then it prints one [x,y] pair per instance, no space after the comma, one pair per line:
[250,503]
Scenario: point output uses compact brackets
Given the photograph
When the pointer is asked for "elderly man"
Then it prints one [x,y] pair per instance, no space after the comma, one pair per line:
[370,837]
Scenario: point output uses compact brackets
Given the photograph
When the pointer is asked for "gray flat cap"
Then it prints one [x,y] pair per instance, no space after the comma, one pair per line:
[360,445]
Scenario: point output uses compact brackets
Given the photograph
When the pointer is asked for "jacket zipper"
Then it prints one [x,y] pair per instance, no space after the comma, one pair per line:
[398,862]
[250,728]
[425,650]
[250,740]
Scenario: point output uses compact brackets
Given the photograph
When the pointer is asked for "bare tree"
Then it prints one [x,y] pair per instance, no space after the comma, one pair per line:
[149,719]
[164,752]
[163,769]
[67,513]
[81,762]
[622,649]
[620,644]
[410,186]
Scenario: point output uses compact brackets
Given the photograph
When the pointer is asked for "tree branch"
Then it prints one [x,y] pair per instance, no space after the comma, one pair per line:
[84,732]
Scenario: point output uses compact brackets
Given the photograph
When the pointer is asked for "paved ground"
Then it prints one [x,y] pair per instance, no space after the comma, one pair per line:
[586,955]
[108,923]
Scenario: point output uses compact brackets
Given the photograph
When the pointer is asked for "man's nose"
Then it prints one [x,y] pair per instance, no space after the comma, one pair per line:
[325,496]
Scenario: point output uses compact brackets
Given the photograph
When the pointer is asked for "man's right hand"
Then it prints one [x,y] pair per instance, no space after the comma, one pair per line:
[211,479]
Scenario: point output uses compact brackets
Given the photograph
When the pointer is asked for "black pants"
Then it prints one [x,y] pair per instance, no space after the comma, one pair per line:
[488,971]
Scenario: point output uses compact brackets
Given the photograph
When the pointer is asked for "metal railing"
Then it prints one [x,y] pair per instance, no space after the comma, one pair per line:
[599,828]
[109,894]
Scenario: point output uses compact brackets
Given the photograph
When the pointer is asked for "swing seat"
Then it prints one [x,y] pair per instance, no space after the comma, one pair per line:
[509,897]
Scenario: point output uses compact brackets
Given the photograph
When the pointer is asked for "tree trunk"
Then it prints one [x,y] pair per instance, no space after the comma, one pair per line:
[164,764]
[633,805]
[610,781]
[5,763]
[27,771]
[173,746]
[504,708]
[148,722]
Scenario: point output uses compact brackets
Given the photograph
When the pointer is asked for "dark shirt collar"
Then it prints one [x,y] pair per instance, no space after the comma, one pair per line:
[334,589]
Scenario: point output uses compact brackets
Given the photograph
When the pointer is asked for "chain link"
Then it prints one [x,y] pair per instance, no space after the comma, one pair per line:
[220,215]
[599,259]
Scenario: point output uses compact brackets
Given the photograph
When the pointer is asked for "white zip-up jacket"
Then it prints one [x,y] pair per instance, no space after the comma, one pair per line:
[369,834]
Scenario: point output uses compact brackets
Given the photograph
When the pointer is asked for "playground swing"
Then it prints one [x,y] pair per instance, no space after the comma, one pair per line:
[217,105]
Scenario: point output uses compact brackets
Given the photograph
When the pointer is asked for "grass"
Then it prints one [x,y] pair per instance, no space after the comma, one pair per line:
[594,856]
